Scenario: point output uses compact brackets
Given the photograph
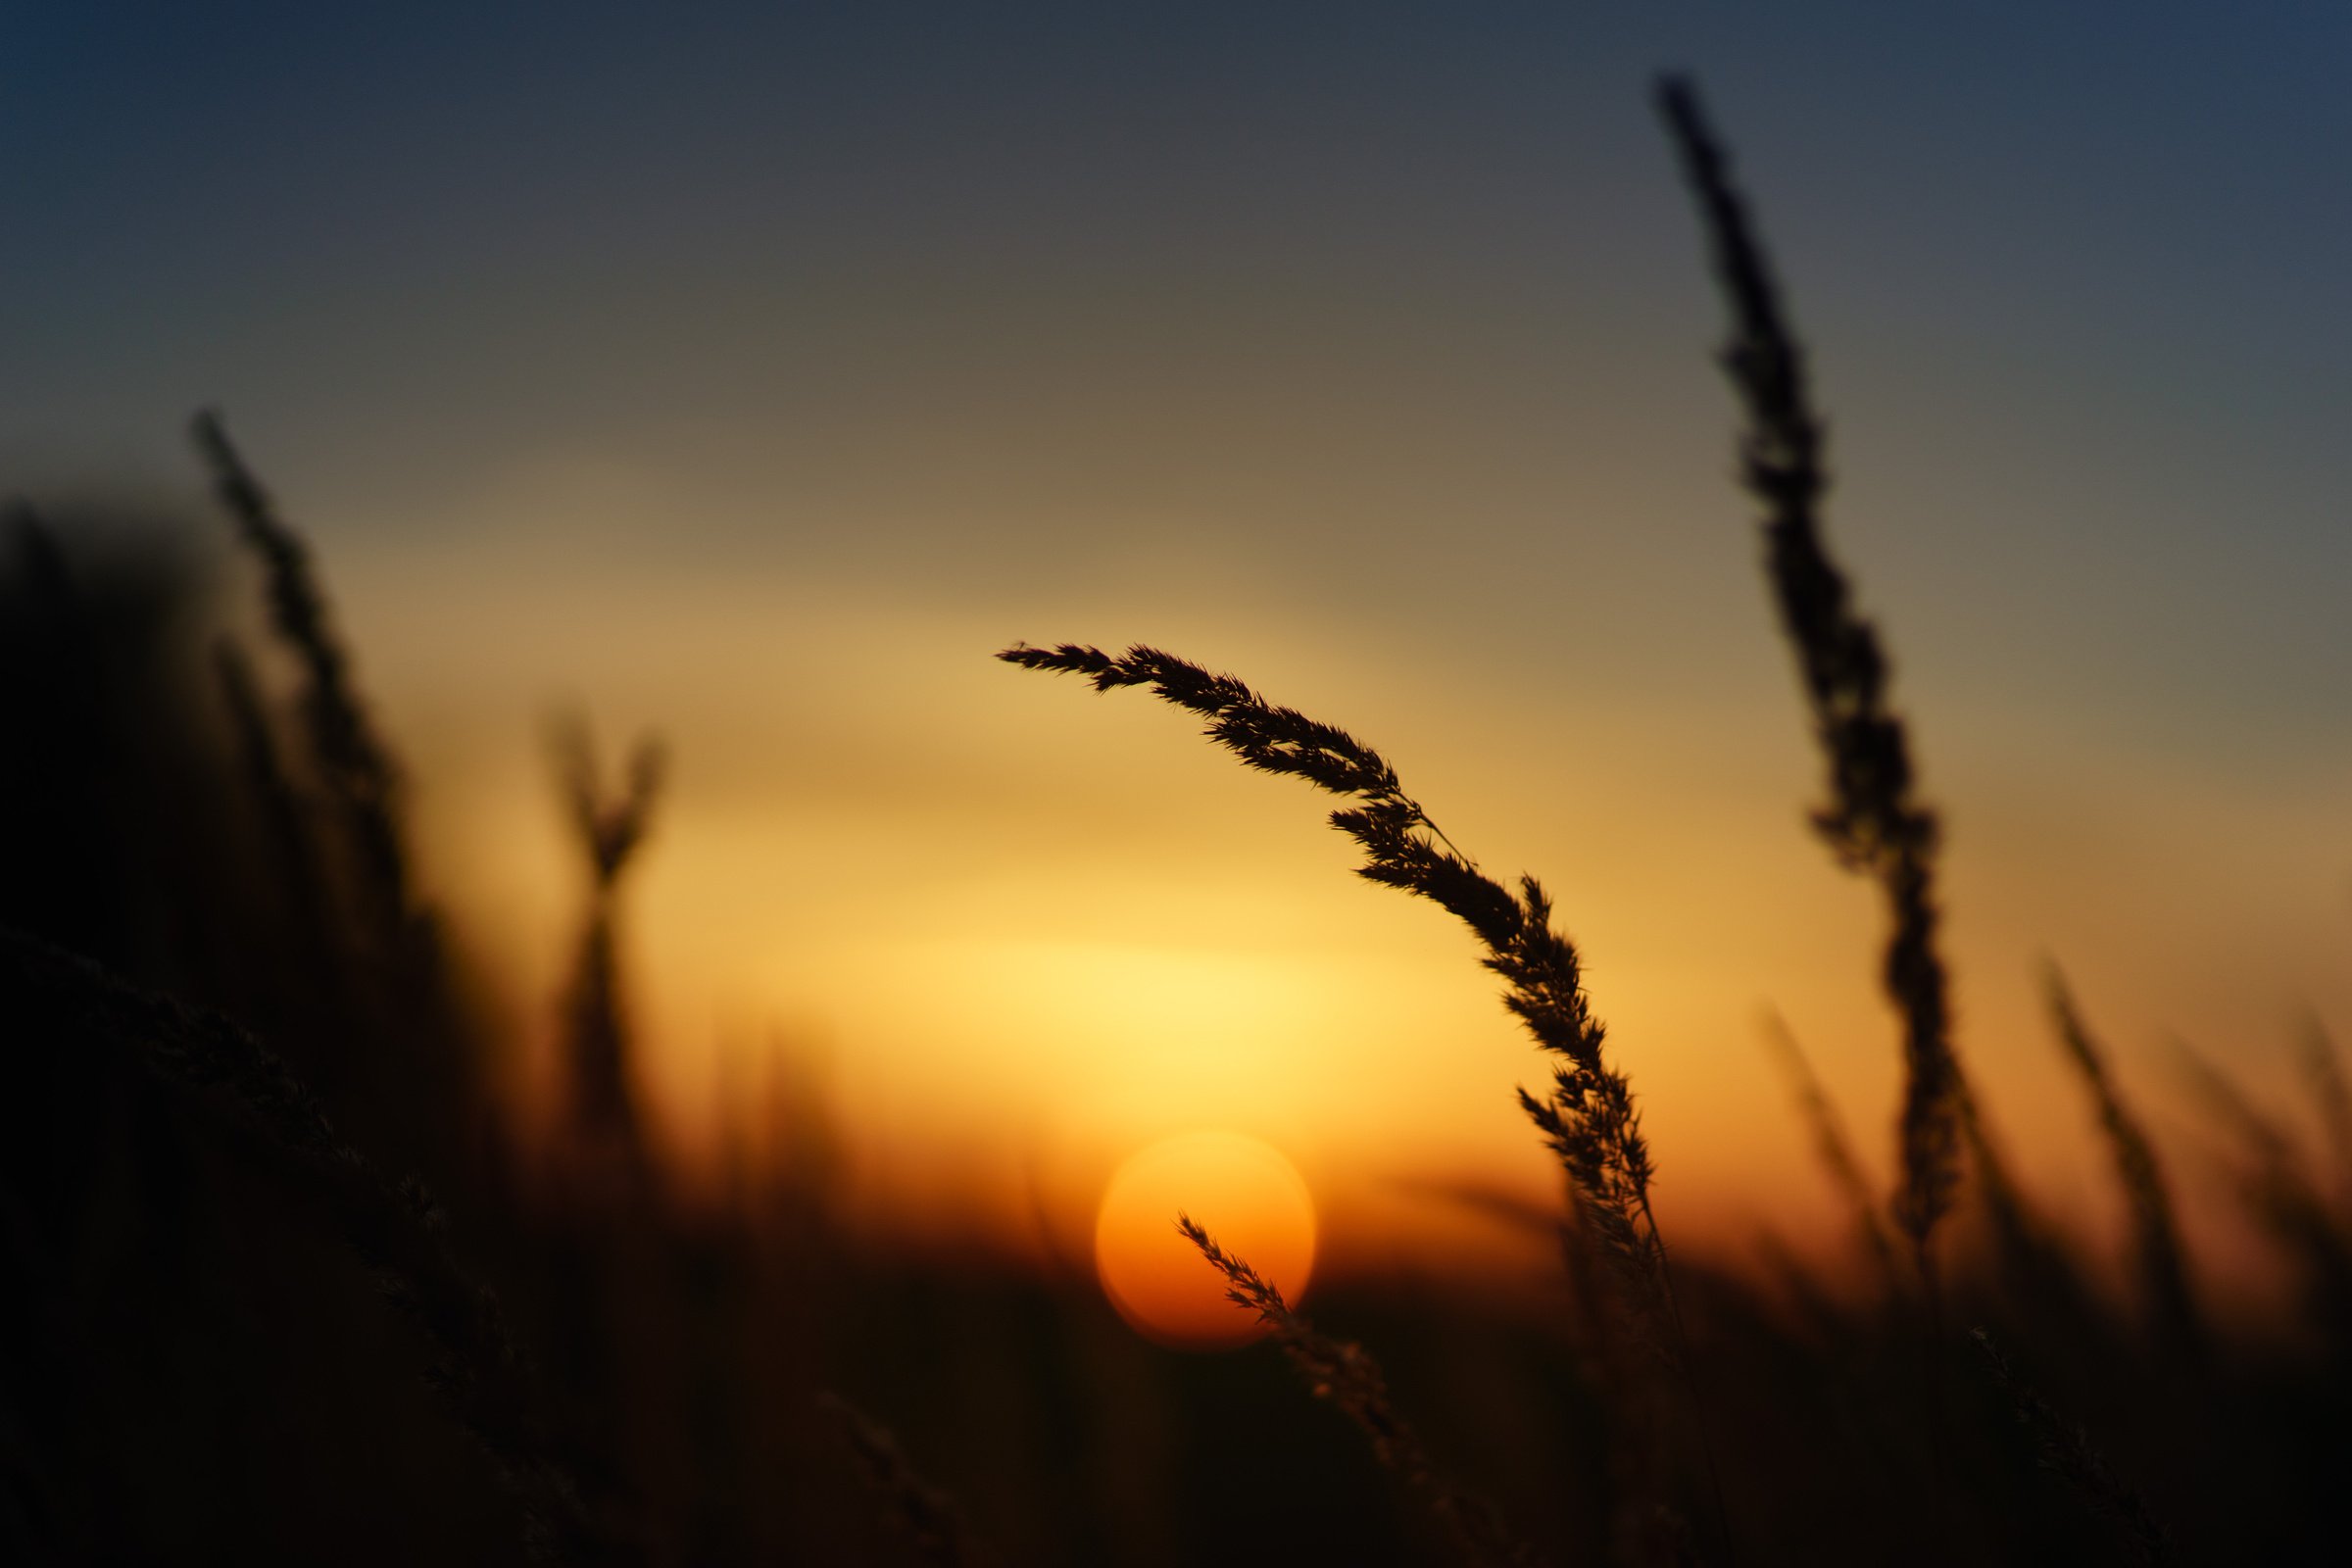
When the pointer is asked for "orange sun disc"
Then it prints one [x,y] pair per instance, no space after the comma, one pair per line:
[1244,1193]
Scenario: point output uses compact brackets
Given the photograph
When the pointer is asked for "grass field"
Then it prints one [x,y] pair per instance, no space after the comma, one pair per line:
[286,1277]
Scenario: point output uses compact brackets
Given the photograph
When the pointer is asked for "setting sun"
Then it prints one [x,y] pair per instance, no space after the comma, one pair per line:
[1247,1196]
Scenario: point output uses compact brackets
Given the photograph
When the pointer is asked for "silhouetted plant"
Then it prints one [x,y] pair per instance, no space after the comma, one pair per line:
[2323,1076]
[392,1225]
[927,1516]
[1834,1150]
[2031,1263]
[2065,1451]
[2276,1188]
[1873,822]
[353,764]
[609,832]
[1588,1117]
[2156,1250]
[1345,1375]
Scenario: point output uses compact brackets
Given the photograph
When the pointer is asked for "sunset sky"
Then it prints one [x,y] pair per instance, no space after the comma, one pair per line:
[750,377]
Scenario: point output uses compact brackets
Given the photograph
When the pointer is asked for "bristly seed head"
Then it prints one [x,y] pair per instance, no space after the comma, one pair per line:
[1588,1119]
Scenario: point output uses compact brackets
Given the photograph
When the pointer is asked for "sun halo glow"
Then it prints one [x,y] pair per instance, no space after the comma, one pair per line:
[1244,1193]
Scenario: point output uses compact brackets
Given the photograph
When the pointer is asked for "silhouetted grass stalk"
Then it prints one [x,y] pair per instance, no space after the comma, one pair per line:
[2325,1076]
[1874,822]
[1835,1149]
[2065,1451]
[355,766]
[2278,1188]
[610,833]
[2156,1238]
[282,811]
[926,1515]
[1344,1375]
[392,1226]
[2032,1266]
[1588,1117]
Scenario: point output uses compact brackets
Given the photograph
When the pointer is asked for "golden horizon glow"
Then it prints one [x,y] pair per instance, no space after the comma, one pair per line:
[1391,391]
[1000,910]
[1244,1193]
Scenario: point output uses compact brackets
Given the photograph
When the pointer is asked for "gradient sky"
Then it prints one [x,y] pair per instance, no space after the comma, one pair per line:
[752,375]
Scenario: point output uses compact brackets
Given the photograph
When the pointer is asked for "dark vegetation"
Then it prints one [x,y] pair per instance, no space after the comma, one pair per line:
[277,1282]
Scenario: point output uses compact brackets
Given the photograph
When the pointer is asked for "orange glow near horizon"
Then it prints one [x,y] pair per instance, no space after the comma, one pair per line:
[1008,931]
[1249,1198]
[1387,386]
